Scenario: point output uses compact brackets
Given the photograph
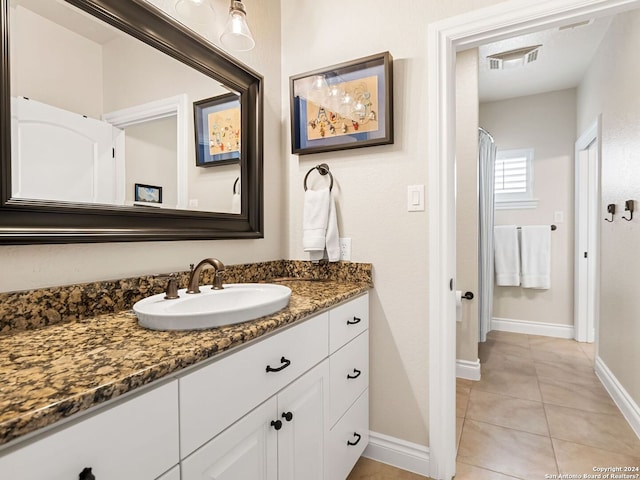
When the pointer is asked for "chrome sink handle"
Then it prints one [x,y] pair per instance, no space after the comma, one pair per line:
[194,276]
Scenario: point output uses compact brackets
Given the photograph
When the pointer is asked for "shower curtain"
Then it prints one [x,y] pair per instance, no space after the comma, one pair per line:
[486,159]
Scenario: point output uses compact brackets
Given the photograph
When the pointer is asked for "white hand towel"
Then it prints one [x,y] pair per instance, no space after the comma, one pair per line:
[320,226]
[536,256]
[506,255]
[314,222]
[333,237]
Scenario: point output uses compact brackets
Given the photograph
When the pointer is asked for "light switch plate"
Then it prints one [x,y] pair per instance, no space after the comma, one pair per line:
[415,198]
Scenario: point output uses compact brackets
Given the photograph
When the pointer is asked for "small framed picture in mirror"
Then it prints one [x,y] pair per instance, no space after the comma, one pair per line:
[147,195]
[218,130]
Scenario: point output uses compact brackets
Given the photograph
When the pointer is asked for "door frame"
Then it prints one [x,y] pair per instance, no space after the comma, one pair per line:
[587,234]
[444,38]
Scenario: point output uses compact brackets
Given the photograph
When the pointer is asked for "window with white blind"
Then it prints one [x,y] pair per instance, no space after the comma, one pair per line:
[514,179]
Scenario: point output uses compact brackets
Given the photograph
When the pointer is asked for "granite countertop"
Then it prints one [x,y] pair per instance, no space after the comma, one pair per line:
[51,373]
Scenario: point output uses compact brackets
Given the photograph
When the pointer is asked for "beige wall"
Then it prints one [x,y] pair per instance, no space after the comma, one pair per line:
[136,74]
[33,266]
[467,201]
[610,88]
[371,187]
[151,158]
[51,75]
[546,123]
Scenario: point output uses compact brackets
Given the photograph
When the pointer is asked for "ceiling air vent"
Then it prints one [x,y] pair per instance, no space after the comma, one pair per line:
[513,58]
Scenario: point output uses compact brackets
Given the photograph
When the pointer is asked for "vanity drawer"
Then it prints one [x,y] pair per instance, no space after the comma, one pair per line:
[215,396]
[347,321]
[349,375]
[137,438]
[347,440]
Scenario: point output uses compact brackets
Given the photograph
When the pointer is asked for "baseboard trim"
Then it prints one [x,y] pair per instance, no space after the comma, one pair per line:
[533,328]
[468,370]
[398,453]
[629,408]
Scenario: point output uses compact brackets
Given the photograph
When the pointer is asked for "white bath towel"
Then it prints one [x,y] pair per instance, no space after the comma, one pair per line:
[506,255]
[320,226]
[536,256]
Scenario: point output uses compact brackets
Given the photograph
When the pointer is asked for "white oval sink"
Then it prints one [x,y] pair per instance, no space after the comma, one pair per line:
[237,302]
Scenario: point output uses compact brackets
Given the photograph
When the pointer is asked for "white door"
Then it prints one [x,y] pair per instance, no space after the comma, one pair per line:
[301,408]
[62,156]
[246,450]
[587,199]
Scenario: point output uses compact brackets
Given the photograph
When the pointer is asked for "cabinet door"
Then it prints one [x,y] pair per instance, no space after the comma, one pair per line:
[134,439]
[246,450]
[302,409]
[214,397]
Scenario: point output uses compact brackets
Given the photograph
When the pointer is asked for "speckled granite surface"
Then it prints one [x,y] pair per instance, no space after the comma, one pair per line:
[35,309]
[50,373]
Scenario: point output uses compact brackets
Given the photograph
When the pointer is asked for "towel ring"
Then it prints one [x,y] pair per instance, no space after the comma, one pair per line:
[323,169]
[235,184]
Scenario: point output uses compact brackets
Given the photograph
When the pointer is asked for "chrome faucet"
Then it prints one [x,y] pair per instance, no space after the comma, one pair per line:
[194,277]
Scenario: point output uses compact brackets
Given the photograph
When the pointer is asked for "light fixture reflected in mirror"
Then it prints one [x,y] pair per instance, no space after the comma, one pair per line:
[198,15]
[236,35]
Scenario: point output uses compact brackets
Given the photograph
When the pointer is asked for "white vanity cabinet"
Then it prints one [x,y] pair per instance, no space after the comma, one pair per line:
[136,438]
[309,420]
[290,406]
[348,434]
[282,439]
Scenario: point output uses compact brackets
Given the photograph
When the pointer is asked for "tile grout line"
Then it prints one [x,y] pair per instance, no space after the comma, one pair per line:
[546,417]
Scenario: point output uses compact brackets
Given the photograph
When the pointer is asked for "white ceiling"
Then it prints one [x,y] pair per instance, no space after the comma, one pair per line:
[72,18]
[562,61]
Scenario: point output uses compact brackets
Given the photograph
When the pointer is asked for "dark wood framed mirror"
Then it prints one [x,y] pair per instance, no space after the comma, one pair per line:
[35,220]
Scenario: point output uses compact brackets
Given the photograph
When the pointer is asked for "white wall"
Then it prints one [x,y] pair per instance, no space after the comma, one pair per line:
[546,123]
[467,201]
[610,87]
[33,266]
[371,187]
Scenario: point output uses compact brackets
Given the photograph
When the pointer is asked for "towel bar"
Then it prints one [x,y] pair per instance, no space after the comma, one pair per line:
[553,227]
[323,169]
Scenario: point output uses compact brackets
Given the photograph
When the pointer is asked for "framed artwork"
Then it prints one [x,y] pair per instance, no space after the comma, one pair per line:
[349,105]
[147,194]
[218,130]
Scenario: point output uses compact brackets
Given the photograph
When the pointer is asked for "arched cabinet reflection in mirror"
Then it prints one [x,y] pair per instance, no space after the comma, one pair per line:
[30,215]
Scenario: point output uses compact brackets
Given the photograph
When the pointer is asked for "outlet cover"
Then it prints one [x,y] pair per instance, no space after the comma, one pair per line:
[345,249]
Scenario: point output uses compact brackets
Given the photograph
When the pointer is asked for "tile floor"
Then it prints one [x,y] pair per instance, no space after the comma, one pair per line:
[538,410]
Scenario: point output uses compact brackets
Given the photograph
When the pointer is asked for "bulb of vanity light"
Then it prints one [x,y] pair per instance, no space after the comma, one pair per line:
[236,35]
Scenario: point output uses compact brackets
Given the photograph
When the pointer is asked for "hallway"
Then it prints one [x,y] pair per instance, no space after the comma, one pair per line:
[538,410]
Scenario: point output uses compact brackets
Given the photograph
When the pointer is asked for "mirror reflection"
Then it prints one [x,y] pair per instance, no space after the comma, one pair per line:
[99,117]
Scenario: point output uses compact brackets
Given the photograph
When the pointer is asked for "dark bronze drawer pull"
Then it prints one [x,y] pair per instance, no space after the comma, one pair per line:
[285,364]
[358,437]
[357,374]
[354,321]
[288,416]
[277,424]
